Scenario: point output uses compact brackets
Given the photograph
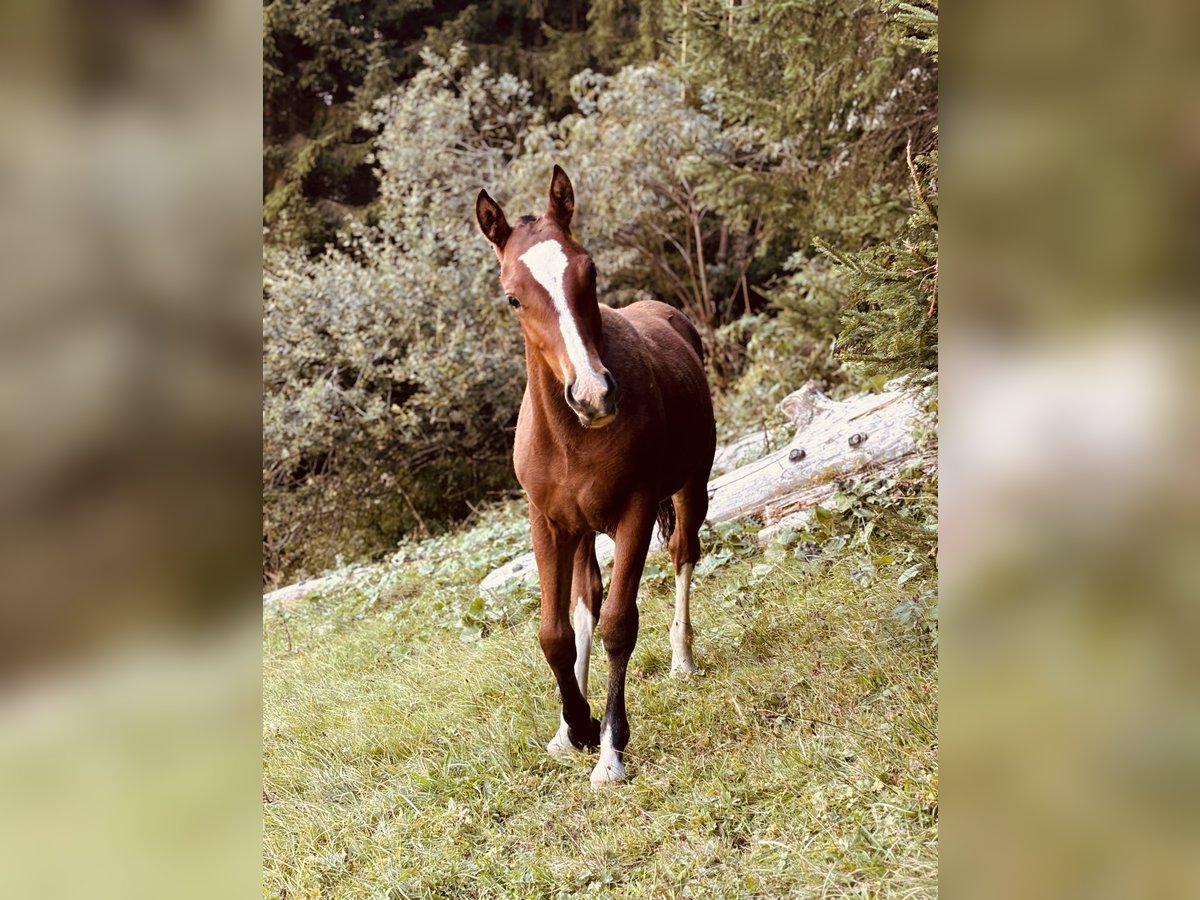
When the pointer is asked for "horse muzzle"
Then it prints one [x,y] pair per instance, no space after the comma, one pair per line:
[599,421]
[597,409]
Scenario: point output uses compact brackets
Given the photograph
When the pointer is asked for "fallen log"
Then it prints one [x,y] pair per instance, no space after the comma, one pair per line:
[746,448]
[833,439]
[292,592]
[795,510]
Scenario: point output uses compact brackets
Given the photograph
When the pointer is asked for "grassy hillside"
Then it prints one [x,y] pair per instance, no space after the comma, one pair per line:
[405,721]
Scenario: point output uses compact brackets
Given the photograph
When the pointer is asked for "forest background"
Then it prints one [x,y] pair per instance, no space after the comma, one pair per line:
[768,167]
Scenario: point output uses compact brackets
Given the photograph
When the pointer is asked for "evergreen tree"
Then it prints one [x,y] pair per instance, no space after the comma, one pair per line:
[327,62]
[827,95]
[890,324]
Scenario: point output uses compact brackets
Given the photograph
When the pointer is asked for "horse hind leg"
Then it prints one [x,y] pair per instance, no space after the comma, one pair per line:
[691,506]
[587,589]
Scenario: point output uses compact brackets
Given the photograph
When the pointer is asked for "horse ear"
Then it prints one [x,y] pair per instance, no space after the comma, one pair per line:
[491,220]
[562,199]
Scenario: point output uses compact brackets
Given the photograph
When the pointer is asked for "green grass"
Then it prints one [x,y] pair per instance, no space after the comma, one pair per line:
[404,752]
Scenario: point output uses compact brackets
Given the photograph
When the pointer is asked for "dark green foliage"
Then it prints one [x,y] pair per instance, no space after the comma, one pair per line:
[608,40]
[891,324]
[324,64]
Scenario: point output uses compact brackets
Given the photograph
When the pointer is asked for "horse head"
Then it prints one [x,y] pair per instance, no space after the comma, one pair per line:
[550,281]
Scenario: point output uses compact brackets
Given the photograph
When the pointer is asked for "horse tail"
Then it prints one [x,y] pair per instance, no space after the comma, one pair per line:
[666,519]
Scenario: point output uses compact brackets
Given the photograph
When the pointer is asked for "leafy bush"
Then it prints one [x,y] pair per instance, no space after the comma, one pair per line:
[392,373]
[644,157]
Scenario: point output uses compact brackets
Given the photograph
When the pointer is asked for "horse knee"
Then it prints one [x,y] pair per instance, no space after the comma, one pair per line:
[558,644]
[618,628]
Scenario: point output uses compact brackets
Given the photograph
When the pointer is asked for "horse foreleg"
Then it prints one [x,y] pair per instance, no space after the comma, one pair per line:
[586,594]
[618,627]
[554,550]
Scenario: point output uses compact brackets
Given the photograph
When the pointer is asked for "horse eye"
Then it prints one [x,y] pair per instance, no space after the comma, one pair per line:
[513,301]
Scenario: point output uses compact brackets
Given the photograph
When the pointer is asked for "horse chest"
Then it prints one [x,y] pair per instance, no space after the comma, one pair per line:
[575,491]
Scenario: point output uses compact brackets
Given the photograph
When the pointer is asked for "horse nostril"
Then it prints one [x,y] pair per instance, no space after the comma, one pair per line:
[571,401]
[612,394]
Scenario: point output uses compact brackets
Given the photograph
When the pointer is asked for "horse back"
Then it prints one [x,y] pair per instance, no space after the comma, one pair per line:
[648,317]
[674,356]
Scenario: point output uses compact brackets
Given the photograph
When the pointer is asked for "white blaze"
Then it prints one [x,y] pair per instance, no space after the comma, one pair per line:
[547,263]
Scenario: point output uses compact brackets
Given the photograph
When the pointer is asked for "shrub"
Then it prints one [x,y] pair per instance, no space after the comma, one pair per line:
[391,373]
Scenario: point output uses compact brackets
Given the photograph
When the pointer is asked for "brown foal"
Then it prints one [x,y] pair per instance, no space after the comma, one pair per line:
[616,430]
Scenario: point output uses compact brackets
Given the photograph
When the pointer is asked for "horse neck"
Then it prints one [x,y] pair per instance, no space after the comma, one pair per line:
[553,415]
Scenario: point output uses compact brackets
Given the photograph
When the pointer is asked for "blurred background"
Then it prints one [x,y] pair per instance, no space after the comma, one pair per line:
[1069,538]
[130,237]
[171,170]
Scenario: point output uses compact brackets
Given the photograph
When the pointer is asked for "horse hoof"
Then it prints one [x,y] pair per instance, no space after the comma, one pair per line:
[607,771]
[683,667]
[560,744]
[591,740]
